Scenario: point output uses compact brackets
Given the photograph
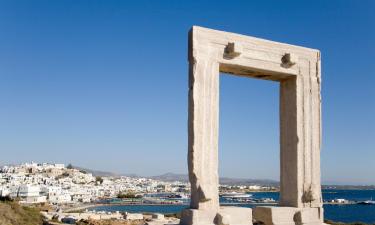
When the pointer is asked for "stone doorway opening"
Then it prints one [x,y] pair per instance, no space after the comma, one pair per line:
[297,69]
[248,128]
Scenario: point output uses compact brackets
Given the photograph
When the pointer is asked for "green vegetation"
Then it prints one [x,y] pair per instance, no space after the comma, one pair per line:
[128,195]
[65,174]
[99,179]
[70,166]
[11,213]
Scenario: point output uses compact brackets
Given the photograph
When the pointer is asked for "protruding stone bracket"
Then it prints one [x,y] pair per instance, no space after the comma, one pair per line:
[233,50]
[289,59]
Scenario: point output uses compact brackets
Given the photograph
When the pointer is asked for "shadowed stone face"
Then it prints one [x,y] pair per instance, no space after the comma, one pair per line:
[297,69]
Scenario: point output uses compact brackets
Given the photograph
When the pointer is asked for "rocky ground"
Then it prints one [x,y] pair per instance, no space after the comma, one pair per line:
[11,213]
[110,222]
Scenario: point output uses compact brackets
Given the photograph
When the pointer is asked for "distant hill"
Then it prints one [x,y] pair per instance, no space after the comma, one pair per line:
[247,181]
[103,173]
[349,187]
[170,177]
[97,172]
[223,180]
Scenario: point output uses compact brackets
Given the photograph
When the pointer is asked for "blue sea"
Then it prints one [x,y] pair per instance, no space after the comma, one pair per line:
[339,213]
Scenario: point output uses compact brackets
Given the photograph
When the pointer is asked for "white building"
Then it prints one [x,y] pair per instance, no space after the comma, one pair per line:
[28,191]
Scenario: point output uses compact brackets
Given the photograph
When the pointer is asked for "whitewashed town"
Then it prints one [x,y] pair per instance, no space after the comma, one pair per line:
[60,184]
[66,189]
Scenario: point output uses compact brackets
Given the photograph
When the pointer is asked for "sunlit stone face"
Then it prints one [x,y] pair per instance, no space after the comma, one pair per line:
[297,69]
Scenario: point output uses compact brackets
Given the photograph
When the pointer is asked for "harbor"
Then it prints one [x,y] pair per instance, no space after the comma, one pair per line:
[352,210]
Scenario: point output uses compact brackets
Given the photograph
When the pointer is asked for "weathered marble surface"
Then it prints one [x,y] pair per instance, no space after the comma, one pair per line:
[269,215]
[297,69]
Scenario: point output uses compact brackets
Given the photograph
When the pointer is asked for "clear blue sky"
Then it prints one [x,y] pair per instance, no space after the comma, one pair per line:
[103,84]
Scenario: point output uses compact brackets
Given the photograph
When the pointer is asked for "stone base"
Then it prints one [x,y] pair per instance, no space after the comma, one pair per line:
[225,216]
[311,216]
[230,215]
[163,222]
[159,219]
[197,217]
[288,215]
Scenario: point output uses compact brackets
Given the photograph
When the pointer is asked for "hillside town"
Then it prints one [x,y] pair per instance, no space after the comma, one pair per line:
[58,184]
[67,193]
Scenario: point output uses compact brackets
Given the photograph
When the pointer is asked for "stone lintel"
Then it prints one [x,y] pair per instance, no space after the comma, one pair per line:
[248,56]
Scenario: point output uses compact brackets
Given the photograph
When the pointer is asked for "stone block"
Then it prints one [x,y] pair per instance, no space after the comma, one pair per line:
[158,216]
[159,219]
[224,216]
[288,215]
[233,49]
[133,216]
[198,217]
[275,215]
[230,215]
[311,216]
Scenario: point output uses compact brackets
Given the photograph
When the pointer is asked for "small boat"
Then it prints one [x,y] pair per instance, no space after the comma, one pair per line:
[177,196]
[235,195]
[367,202]
[267,200]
